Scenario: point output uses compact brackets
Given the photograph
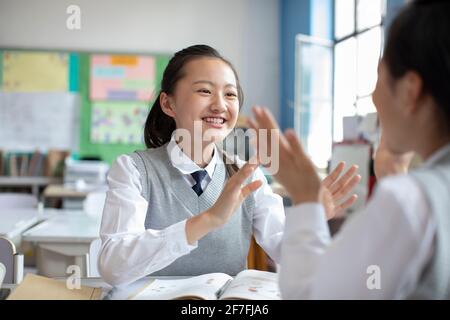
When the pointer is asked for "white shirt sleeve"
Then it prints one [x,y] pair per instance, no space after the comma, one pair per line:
[129,251]
[378,254]
[268,219]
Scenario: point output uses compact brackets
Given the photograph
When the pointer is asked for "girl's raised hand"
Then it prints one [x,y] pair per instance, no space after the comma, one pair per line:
[233,194]
[298,175]
[295,171]
[335,190]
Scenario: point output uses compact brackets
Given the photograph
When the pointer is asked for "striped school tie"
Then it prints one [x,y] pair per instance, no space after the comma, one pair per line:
[198,177]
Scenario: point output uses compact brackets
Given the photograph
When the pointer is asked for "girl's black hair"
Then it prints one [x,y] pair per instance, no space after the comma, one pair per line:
[419,40]
[159,126]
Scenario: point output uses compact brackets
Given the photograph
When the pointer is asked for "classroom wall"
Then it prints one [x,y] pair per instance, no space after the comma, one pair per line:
[245,31]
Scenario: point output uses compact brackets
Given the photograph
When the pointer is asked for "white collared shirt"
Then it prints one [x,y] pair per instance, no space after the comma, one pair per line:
[391,238]
[186,166]
[130,252]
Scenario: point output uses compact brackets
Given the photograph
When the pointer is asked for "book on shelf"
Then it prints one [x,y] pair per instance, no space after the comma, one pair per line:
[24,162]
[247,285]
[36,164]
[13,170]
[32,167]
[54,166]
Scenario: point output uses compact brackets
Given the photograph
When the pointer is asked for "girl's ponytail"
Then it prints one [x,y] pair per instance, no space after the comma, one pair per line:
[158,126]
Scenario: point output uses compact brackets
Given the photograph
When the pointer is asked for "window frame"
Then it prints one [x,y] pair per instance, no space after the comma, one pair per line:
[355,34]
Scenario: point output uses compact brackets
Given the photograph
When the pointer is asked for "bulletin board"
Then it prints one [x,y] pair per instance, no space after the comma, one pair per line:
[102,98]
[39,104]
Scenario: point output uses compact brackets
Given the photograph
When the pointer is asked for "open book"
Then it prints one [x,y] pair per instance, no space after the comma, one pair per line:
[248,284]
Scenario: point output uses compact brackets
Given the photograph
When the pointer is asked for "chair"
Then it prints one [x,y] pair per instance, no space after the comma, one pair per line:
[12,261]
[257,258]
[17,201]
[2,273]
[92,257]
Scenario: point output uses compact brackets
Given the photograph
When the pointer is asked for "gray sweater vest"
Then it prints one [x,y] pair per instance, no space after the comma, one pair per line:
[171,200]
[435,182]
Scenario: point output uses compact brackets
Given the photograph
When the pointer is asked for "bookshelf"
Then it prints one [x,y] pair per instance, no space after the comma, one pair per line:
[35,183]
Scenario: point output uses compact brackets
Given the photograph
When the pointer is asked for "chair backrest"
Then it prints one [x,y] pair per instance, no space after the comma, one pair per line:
[12,261]
[94,203]
[94,250]
[2,273]
[17,201]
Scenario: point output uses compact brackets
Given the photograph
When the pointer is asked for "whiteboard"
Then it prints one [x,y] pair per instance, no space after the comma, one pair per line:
[43,121]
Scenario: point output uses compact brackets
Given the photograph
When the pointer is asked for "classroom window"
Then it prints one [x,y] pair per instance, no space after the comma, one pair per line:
[314,97]
[359,29]
[335,79]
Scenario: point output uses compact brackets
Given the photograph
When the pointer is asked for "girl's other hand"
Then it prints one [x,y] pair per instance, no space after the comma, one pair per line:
[296,173]
[335,190]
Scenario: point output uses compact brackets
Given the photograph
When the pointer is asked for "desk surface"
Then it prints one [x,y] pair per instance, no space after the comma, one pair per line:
[69,226]
[59,191]
[16,221]
[118,293]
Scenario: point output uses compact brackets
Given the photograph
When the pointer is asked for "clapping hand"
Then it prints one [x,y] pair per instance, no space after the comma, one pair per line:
[297,173]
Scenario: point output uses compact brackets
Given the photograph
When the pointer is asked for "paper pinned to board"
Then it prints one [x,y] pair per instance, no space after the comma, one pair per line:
[35,71]
[118,122]
[39,120]
[122,78]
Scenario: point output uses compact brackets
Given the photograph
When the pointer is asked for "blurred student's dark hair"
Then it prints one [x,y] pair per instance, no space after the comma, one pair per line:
[419,40]
[159,126]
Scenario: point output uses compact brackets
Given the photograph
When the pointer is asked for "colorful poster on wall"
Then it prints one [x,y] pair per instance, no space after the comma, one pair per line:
[122,78]
[35,71]
[118,122]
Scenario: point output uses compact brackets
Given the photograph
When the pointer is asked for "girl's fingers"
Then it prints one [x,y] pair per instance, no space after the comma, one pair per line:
[252,124]
[341,182]
[264,119]
[347,188]
[347,203]
[294,142]
[269,118]
[243,174]
[331,178]
[249,188]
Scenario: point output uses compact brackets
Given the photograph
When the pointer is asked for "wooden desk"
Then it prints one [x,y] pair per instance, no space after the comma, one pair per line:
[59,191]
[118,293]
[71,198]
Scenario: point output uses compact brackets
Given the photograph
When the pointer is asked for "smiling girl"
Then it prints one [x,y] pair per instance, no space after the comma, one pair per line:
[168,212]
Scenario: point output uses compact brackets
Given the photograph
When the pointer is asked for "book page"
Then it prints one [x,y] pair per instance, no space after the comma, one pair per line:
[199,287]
[253,285]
